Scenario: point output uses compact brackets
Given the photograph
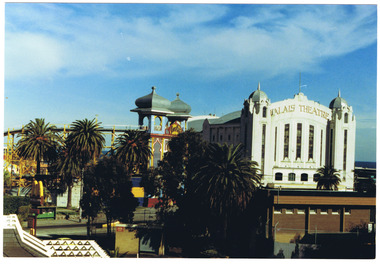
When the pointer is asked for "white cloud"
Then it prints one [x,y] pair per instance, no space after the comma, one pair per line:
[54,40]
[29,54]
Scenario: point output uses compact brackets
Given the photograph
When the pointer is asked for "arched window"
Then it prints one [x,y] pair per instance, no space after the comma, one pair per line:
[278,176]
[316,177]
[264,112]
[291,176]
[157,123]
[157,120]
[156,153]
[304,177]
[345,117]
[146,121]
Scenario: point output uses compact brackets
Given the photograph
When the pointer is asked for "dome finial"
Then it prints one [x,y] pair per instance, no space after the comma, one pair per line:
[258,86]
[153,88]
[338,92]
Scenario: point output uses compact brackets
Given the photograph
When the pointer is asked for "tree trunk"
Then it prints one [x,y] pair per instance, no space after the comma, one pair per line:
[69,193]
[225,229]
[38,166]
[109,220]
[88,226]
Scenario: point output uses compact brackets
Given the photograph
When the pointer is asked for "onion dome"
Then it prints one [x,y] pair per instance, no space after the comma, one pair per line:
[179,107]
[338,102]
[153,101]
[258,95]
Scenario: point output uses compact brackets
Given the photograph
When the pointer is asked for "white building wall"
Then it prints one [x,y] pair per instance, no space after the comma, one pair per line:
[293,111]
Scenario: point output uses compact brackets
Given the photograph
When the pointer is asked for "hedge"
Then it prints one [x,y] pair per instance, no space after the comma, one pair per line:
[13,203]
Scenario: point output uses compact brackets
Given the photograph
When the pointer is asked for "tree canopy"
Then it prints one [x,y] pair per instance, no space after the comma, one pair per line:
[133,150]
[328,178]
[39,141]
[107,182]
[85,141]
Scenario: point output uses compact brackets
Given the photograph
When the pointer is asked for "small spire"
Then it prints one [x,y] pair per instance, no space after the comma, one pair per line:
[153,89]
[258,87]
[338,92]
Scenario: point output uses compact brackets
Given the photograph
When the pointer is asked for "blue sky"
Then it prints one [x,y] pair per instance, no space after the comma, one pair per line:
[65,62]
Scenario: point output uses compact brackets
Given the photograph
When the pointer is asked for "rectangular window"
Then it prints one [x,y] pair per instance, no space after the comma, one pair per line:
[299,140]
[335,212]
[331,146]
[345,150]
[313,211]
[263,143]
[275,143]
[277,211]
[347,212]
[324,211]
[289,211]
[320,160]
[286,141]
[300,211]
[311,141]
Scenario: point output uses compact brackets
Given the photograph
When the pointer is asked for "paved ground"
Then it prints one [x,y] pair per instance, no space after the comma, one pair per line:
[53,229]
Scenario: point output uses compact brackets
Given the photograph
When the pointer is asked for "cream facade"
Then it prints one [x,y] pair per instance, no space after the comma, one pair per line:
[291,139]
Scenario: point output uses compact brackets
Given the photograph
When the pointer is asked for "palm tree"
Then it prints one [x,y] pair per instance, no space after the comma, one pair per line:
[226,182]
[328,178]
[39,142]
[85,141]
[133,150]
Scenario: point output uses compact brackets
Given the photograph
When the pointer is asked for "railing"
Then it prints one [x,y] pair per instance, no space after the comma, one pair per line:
[12,222]
[146,215]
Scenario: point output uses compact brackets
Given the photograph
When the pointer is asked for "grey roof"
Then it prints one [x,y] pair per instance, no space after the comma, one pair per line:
[179,107]
[338,102]
[153,101]
[233,117]
[197,125]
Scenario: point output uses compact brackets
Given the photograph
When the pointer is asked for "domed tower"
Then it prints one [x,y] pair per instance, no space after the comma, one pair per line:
[162,119]
[178,119]
[254,126]
[341,145]
[152,110]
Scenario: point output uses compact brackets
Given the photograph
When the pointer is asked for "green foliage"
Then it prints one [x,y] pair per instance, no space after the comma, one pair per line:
[39,142]
[107,186]
[152,182]
[12,204]
[226,181]
[180,163]
[85,141]
[23,212]
[212,187]
[133,150]
[328,179]
[7,179]
[225,186]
